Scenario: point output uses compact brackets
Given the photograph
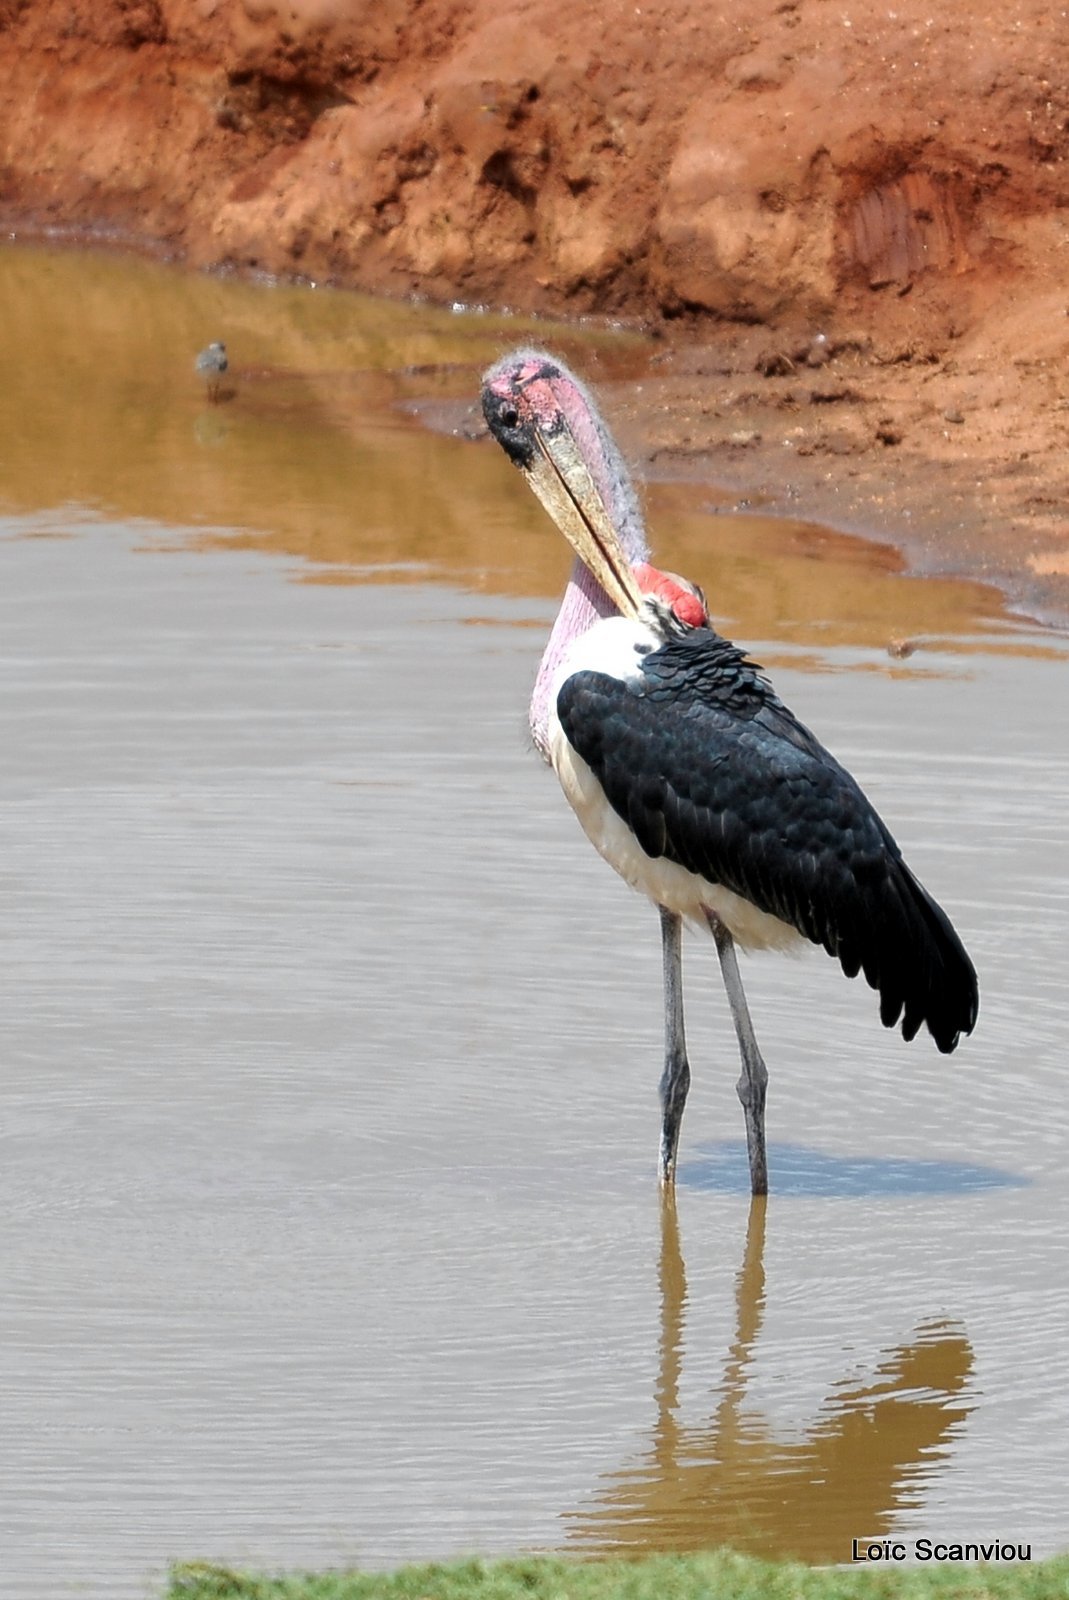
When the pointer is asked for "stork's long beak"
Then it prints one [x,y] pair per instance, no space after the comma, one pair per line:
[531,423]
[561,479]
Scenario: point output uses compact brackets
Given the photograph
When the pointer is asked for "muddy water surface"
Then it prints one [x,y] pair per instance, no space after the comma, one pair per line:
[330,1049]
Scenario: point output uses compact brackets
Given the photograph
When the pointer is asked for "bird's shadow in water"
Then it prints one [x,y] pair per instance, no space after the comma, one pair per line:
[722,1168]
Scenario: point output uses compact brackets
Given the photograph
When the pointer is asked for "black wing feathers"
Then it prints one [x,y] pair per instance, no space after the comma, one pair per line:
[709,769]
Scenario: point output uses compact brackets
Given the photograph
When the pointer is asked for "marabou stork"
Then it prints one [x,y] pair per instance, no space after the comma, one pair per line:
[690,775]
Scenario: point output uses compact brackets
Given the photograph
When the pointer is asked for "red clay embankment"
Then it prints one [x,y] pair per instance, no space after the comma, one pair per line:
[893,177]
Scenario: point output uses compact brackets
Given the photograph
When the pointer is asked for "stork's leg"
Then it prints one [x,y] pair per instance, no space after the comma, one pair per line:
[675,1080]
[754,1080]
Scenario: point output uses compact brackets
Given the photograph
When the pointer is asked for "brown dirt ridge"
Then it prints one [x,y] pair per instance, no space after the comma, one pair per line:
[847,219]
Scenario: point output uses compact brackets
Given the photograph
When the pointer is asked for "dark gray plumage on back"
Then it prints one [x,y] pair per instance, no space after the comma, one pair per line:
[710,769]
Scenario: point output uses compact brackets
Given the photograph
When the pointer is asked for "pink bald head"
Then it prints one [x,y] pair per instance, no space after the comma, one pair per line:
[543,392]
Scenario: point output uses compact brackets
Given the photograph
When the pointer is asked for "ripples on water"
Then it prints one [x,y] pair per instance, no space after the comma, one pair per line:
[331,1050]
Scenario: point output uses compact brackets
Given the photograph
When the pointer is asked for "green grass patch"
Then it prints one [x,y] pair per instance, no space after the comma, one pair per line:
[719,1575]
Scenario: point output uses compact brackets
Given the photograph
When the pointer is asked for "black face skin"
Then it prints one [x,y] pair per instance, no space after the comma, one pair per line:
[504,422]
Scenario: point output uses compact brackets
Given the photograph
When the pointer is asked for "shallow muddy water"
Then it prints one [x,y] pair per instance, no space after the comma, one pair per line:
[330,1050]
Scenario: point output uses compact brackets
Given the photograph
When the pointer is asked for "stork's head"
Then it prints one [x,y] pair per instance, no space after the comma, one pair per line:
[546,422]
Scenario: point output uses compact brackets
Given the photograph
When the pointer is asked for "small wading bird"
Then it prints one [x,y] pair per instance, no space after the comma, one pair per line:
[211,364]
[690,775]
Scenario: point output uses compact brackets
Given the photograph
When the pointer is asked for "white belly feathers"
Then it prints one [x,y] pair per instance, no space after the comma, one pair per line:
[612,647]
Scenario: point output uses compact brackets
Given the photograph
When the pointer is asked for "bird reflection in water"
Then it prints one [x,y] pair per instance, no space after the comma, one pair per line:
[732,1481]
